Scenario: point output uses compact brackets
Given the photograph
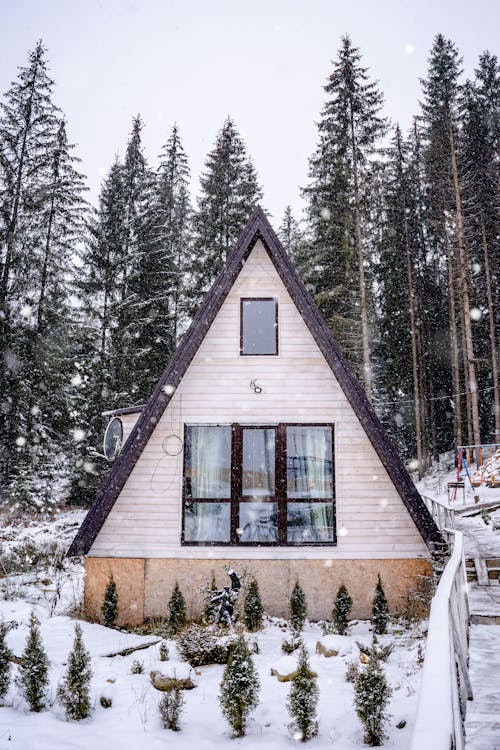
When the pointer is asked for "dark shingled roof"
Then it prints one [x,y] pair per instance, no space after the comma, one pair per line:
[258,227]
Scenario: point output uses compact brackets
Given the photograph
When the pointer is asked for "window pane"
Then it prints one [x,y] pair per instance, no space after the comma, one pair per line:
[259,326]
[208,461]
[207,522]
[258,522]
[310,522]
[309,462]
[258,462]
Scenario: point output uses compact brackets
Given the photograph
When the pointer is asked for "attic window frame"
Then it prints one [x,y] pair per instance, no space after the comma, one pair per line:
[276,326]
[280,496]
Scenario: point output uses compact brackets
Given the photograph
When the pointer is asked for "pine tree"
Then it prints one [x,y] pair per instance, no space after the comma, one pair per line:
[380,609]
[371,696]
[109,607]
[239,688]
[303,700]
[292,238]
[349,131]
[210,609]
[170,708]
[33,678]
[252,607]
[229,192]
[5,657]
[298,608]
[73,692]
[176,610]
[341,610]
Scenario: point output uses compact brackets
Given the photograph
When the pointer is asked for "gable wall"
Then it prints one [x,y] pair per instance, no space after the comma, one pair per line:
[298,386]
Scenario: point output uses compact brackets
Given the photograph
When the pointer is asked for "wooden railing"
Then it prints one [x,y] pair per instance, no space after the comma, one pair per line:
[446,685]
[444,517]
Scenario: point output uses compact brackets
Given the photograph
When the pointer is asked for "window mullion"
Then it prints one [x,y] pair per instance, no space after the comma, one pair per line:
[236,478]
[281,481]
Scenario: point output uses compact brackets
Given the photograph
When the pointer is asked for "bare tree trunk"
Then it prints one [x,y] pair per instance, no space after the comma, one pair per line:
[491,321]
[471,380]
[367,369]
[455,367]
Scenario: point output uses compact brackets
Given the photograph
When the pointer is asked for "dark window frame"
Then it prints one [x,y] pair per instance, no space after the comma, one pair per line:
[280,496]
[276,326]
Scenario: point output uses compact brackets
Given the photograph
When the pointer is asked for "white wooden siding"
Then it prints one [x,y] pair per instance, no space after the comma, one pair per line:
[298,386]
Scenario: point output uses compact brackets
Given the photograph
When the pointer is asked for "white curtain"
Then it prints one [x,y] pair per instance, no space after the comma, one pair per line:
[310,522]
[309,462]
[209,460]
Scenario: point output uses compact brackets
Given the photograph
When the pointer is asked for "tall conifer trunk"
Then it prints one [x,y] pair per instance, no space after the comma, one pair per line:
[455,366]
[491,323]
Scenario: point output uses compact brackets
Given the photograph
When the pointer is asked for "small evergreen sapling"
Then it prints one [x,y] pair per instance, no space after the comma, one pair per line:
[341,610]
[253,609]
[137,667]
[298,608]
[380,610]
[371,696]
[5,657]
[176,610]
[109,607]
[164,654]
[170,708]
[210,610]
[33,678]
[73,692]
[303,700]
[239,688]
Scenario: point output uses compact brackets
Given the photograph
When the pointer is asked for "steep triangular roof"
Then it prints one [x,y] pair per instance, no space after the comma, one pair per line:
[258,227]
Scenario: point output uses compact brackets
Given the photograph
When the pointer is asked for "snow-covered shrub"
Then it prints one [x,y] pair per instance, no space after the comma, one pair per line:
[352,671]
[170,708]
[371,696]
[5,657]
[33,679]
[137,667]
[380,610]
[239,688]
[341,610]
[380,652]
[109,607]
[29,557]
[326,627]
[292,644]
[164,654]
[486,517]
[199,645]
[73,692]
[210,609]
[253,611]
[298,608]
[176,610]
[417,599]
[303,700]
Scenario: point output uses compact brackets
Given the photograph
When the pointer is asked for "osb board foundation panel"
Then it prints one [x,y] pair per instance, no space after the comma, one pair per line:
[128,575]
[320,580]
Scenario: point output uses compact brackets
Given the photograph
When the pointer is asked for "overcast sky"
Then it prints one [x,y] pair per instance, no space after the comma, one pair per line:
[264,62]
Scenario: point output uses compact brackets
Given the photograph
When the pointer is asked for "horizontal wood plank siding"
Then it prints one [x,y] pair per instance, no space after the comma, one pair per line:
[298,386]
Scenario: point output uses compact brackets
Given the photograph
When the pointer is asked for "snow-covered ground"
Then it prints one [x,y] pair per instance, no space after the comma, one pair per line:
[133,720]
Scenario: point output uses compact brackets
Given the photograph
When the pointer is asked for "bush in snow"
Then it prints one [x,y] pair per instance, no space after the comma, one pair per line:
[303,700]
[109,607]
[239,688]
[200,646]
[163,651]
[380,610]
[176,610]
[298,608]
[210,609]
[371,696]
[73,692]
[137,667]
[170,707]
[352,671]
[5,657]
[253,611]
[33,679]
[341,610]
[292,644]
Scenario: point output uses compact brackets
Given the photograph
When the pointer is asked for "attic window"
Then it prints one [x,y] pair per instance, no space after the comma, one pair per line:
[259,326]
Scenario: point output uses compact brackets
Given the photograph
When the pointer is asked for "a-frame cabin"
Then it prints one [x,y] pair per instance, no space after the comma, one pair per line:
[257,450]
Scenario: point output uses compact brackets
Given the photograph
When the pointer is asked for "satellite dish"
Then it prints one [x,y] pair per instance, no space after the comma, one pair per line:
[113,438]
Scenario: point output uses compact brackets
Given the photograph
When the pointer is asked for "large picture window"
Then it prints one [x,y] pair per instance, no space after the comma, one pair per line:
[246,484]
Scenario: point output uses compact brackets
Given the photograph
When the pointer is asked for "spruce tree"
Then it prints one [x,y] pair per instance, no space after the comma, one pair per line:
[371,696]
[5,657]
[341,610]
[109,607]
[298,608]
[303,700]
[239,688]
[170,708]
[229,192]
[73,692]
[380,610]
[33,679]
[176,610]
[292,238]
[252,607]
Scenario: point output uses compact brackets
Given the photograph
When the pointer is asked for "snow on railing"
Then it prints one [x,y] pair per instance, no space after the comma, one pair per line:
[446,684]
[443,515]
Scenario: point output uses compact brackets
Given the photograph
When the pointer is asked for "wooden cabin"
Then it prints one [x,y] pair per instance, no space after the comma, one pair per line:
[258,451]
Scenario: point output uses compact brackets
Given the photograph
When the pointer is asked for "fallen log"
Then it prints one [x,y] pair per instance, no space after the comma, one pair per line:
[131,649]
